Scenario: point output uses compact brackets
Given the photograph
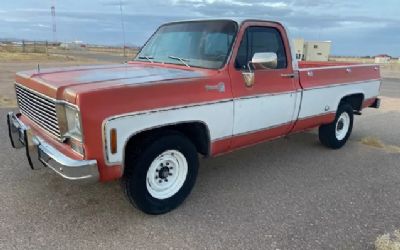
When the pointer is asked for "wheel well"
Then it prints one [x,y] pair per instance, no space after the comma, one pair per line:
[354,100]
[196,132]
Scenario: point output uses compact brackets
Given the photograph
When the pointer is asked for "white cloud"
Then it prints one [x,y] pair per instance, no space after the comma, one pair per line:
[39,25]
[274,4]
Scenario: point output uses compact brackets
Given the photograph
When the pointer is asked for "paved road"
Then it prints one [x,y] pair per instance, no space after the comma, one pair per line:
[287,194]
[391,87]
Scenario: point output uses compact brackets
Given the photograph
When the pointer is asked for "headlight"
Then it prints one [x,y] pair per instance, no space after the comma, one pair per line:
[73,118]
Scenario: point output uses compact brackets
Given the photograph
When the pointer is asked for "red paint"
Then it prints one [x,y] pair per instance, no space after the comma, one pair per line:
[103,98]
[335,75]
[311,122]
[220,147]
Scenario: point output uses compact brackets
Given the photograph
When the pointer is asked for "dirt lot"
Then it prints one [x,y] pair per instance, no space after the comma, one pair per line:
[14,62]
[287,194]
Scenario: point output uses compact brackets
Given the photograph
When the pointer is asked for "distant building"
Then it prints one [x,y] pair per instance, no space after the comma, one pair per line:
[312,50]
[382,59]
[299,48]
[72,45]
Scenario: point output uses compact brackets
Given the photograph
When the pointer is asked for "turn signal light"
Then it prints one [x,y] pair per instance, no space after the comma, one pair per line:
[113,140]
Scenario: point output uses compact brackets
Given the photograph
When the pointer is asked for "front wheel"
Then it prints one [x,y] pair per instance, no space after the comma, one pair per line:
[161,176]
[336,134]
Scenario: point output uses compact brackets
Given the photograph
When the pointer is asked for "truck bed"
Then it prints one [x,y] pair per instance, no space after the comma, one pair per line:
[325,84]
[320,74]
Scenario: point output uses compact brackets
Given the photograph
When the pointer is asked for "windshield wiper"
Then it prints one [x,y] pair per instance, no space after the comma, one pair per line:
[183,60]
[149,58]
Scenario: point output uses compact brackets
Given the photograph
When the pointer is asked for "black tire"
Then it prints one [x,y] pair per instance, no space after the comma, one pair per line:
[327,132]
[135,176]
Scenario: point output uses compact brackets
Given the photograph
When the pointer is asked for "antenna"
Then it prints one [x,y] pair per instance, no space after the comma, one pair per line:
[122,25]
[53,18]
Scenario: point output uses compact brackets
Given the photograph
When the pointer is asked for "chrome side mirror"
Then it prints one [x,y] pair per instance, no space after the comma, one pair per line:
[266,60]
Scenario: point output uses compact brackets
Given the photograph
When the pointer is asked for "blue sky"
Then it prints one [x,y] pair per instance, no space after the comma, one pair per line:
[356,27]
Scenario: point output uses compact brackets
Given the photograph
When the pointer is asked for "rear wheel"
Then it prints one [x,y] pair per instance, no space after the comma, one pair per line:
[336,134]
[162,174]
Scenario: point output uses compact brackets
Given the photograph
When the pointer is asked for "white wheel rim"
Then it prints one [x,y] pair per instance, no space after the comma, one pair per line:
[167,174]
[342,126]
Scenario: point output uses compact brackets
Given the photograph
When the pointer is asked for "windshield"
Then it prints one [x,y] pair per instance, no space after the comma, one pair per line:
[204,44]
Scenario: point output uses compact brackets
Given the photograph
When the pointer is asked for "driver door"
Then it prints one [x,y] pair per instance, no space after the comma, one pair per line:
[268,108]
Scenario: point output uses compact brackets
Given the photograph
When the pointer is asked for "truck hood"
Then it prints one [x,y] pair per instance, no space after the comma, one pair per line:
[55,82]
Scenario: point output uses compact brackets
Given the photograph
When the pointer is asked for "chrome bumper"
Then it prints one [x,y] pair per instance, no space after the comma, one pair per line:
[41,154]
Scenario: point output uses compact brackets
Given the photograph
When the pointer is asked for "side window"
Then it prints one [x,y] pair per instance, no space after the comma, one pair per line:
[260,39]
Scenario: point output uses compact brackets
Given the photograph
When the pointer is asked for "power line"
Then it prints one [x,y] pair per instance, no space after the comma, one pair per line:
[122,26]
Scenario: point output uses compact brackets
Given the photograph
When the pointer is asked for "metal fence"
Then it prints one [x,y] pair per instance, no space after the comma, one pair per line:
[73,49]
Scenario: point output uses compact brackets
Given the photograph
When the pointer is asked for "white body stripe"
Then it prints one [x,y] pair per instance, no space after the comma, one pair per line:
[326,100]
[262,112]
[218,117]
[238,116]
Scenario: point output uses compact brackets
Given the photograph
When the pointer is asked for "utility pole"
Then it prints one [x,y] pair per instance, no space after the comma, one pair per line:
[53,18]
[122,26]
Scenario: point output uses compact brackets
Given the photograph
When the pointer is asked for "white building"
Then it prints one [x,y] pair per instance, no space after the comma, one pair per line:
[382,59]
[312,50]
[299,48]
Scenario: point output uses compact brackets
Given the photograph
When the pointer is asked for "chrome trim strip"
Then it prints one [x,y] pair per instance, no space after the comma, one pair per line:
[339,67]
[267,94]
[313,116]
[262,129]
[167,109]
[341,84]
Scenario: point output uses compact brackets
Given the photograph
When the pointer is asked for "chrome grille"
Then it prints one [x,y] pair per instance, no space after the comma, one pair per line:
[40,109]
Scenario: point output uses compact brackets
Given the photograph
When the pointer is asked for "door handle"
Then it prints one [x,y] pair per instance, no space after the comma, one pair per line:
[293,75]
[220,87]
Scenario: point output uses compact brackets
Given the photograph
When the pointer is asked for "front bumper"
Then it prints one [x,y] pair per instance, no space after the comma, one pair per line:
[41,154]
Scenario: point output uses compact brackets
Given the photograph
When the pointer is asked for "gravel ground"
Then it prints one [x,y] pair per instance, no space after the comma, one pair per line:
[287,194]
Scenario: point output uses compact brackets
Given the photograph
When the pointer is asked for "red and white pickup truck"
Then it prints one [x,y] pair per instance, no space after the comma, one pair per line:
[203,87]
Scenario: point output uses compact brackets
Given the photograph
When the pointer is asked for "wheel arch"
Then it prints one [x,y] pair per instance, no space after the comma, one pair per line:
[354,99]
[196,131]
